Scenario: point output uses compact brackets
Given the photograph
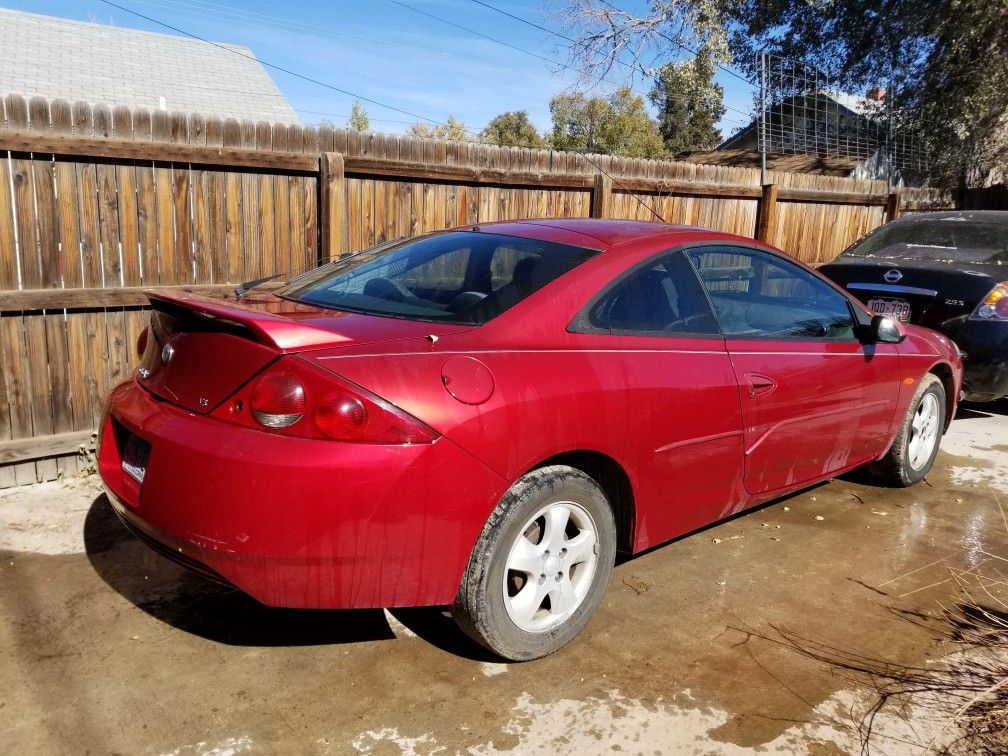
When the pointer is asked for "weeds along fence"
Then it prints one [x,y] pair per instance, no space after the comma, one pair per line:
[97,204]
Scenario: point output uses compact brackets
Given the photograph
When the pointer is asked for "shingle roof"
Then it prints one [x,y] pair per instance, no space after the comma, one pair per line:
[829,166]
[75,60]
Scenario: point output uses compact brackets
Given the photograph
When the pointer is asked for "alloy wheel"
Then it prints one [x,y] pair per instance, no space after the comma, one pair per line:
[550,566]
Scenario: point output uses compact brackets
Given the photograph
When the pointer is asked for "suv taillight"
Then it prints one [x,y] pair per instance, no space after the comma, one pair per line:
[295,398]
[994,306]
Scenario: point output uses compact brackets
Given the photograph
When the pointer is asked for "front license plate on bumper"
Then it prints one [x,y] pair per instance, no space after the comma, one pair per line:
[891,308]
[135,455]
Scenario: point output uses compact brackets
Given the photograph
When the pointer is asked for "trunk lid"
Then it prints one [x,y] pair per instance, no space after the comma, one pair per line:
[200,350]
[937,292]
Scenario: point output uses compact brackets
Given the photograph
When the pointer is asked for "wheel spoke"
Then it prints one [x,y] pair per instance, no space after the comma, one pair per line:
[562,596]
[525,557]
[554,533]
[581,547]
[914,448]
[527,601]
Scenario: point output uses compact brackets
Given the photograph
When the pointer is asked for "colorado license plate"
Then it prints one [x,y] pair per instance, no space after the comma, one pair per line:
[135,455]
[891,308]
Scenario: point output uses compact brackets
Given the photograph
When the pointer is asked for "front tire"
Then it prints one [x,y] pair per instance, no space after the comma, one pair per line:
[540,566]
[913,452]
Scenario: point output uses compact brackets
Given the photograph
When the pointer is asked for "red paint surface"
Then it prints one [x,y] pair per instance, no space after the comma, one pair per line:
[313,523]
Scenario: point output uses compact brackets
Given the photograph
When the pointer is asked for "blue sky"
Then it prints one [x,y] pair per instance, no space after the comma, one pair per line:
[388,53]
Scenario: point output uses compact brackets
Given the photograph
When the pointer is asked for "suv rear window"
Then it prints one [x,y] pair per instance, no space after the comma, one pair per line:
[455,277]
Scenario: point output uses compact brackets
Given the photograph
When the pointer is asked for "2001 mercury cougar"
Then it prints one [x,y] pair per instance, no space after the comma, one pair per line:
[483,417]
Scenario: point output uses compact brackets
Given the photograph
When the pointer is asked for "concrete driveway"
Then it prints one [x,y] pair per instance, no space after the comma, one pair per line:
[766,632]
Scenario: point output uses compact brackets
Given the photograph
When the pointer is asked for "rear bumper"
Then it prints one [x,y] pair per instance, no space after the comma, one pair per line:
[297,522]
[985,367]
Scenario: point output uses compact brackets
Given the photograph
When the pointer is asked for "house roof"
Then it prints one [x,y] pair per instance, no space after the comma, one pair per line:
[75,60]
[851,105]
[831,166]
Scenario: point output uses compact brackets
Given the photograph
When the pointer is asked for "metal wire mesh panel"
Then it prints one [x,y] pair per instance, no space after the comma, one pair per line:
[805,112]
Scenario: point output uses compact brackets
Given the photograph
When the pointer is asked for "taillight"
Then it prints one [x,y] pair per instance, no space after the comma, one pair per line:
[296,398]
[994,306]
[278,400]
[141,345]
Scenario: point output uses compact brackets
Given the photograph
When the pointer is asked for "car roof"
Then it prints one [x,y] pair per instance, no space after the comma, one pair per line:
[595,233]
[987,216]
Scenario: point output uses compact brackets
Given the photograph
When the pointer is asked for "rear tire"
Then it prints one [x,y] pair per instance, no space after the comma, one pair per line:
[913,452]
[540,566]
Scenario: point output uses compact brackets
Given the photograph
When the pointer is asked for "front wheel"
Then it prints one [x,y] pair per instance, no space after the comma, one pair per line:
[540,566]
[913,452]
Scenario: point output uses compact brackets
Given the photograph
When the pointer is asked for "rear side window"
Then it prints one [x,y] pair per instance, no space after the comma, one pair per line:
[661,298]
[455,277]
[758,295]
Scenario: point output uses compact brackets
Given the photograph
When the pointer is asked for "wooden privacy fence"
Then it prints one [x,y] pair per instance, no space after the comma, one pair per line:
[97,203]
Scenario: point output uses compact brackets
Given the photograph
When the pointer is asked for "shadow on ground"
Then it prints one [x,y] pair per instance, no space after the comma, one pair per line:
[226,615]
[971,410]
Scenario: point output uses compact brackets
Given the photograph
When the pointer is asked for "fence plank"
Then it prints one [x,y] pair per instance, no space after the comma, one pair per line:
[332,182]
[18,388]
[8,266]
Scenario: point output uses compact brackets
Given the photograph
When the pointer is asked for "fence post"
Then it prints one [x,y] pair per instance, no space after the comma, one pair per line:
[766,214]
[332,199]
[892,206]
[601,205]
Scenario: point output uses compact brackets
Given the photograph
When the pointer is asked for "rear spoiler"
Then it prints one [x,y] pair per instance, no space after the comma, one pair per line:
[271,329]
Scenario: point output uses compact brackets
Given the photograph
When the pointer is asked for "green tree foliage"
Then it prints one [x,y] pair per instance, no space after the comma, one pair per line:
[947,62]
[689,105]
[616,125]
[512,129]
[944,61]
[359,120]
[453,130]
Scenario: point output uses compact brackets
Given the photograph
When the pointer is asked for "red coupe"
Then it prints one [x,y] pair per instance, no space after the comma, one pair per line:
[483,417]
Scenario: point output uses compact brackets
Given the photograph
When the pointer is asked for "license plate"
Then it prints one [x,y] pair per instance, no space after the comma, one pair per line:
[891,308]
[135,457]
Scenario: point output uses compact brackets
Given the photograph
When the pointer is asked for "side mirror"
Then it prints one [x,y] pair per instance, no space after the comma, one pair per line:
[886,330]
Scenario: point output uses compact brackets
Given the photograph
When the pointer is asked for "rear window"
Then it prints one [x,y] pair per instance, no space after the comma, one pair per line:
[952,239]
[455,277]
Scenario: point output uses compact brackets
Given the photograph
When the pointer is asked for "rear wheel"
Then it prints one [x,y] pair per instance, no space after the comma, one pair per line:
[540,566]
[916,445]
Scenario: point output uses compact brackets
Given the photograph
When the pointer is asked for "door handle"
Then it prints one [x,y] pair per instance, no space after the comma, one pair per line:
[760,384]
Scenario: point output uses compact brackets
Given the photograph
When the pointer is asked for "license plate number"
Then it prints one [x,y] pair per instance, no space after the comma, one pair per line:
[135,457]
[891,308]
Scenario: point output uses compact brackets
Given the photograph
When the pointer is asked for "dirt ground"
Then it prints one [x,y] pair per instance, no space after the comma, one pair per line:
[734,639]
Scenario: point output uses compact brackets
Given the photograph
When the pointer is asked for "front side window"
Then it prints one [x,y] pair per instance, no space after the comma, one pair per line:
[455,277]
[660,298]
[761,296]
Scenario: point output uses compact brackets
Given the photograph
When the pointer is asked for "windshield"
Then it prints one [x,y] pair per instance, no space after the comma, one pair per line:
[951,239]
[454,277]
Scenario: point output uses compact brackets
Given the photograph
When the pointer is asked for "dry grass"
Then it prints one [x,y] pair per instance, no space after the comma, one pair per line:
[955,705]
